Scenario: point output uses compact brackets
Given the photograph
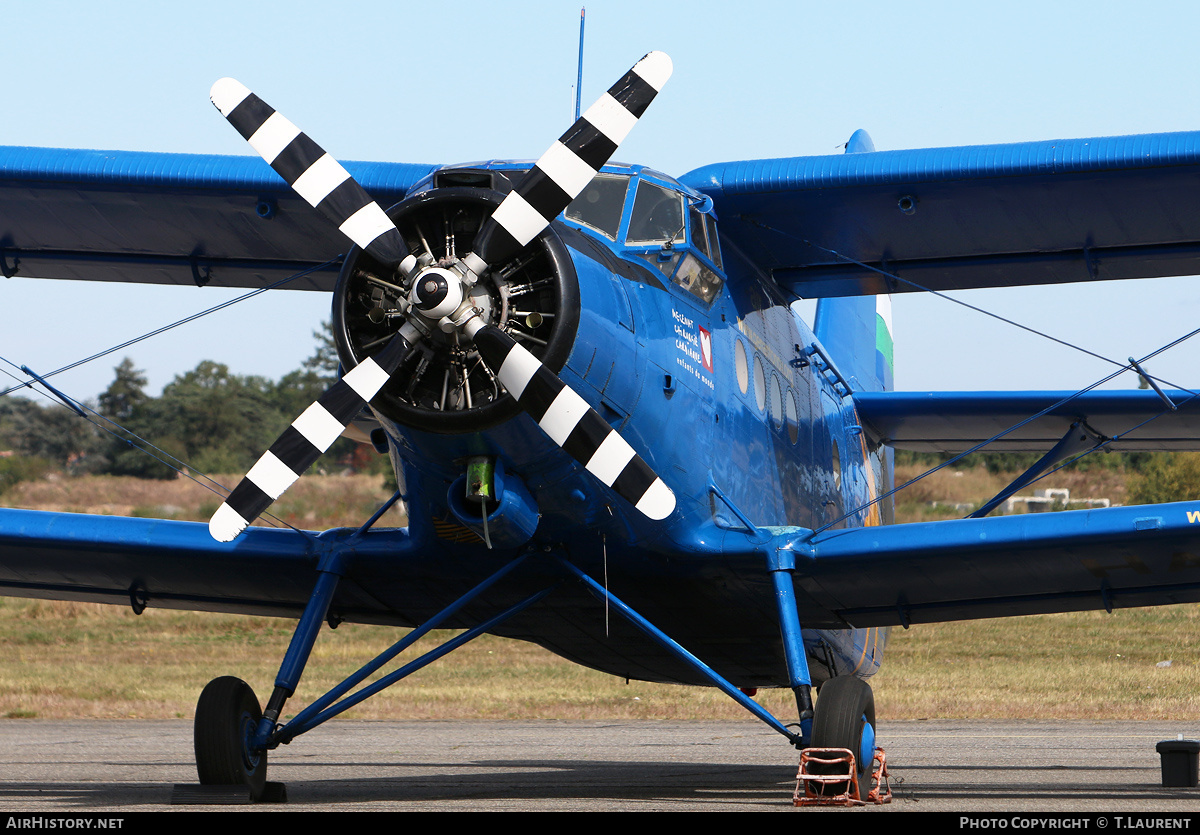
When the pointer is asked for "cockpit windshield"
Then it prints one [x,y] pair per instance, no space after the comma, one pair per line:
[659,224]
[657,215]
[599,205]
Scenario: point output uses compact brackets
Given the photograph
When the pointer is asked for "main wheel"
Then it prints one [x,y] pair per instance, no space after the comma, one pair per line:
[227,717]
[845,718]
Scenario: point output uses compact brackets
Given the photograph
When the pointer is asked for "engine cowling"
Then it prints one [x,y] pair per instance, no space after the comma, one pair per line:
[443,385]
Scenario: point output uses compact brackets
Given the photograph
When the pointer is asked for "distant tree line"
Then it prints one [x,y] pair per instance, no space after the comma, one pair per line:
[208,419]
[1153,477]
[1007,462]
[214,421]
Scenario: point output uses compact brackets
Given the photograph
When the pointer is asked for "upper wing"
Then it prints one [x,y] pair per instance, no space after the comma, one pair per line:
[955,421]
[169,218]
[956,218]
[1000,566]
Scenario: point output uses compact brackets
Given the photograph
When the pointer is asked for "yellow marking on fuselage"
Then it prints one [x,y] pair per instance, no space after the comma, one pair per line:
[873,515]
[872,635]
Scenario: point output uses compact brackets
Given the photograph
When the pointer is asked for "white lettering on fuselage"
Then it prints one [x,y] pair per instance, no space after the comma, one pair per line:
[687,342]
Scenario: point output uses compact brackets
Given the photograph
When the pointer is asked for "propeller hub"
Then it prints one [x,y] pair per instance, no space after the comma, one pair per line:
[437,292]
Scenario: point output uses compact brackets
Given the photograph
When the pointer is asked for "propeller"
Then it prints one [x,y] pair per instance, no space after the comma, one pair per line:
[439,295]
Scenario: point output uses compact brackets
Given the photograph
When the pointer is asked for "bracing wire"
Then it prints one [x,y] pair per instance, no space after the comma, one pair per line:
[126,435]
[894,277]
[1121,368]
[184,321]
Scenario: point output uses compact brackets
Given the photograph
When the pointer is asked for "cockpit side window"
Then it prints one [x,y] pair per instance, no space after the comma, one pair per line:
[696,221]
[693,274]
[599,205]
[657,215]
[698,279]
[714,247]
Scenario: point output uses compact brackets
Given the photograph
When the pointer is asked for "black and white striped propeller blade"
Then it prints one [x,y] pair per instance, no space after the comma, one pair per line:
[313,174]
[302,443]
[569,165]
[572,423]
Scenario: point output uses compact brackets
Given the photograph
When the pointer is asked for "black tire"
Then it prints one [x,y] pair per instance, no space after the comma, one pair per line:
[845,705]
[227,716]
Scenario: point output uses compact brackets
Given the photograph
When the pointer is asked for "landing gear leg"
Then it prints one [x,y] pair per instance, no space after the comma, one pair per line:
[793,641]
[232,735]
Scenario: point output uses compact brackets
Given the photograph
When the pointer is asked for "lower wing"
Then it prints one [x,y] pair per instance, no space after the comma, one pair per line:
[996,567]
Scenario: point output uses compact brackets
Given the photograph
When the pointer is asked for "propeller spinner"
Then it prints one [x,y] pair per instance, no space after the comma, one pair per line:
[439,295]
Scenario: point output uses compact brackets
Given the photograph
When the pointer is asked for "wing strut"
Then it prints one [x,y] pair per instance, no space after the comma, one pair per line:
[1080,438]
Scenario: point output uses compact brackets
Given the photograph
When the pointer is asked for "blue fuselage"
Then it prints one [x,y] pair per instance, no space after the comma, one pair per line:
[703,367]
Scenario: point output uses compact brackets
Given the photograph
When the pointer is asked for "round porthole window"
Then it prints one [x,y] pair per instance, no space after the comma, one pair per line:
[776,402]
[793,416]
[741,364]
[760,385]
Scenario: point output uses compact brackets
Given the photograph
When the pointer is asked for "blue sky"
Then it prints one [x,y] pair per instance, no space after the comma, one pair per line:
[471,80]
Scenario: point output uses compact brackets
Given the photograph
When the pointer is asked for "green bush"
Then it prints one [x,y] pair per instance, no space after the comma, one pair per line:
[1168,477]
[17,468]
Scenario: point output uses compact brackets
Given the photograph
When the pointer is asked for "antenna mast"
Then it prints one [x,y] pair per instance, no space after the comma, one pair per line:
[579,79]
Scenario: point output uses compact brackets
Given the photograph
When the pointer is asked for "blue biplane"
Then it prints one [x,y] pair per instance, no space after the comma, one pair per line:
[598,399]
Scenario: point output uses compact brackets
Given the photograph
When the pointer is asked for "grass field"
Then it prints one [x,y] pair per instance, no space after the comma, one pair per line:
[67,660]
